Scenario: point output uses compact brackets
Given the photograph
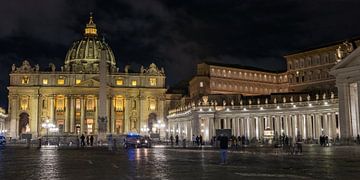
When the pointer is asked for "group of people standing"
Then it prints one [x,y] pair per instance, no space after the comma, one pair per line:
[324,140]
[89,140]
[198,140]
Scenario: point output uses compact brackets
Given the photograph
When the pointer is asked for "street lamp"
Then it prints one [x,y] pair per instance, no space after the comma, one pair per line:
[47,125]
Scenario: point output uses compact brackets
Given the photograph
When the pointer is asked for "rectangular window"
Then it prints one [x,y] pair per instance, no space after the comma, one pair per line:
[119,103]
[45,81]
[60,103]
[119,82]
[78,81]
[61,81]
[152,81]
[77,104]
[133,82]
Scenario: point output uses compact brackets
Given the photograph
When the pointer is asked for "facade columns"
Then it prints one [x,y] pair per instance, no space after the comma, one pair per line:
[112,114]
[34,116]
[96,115]
[52,109]
[82,114]
[67,109]
[72,114]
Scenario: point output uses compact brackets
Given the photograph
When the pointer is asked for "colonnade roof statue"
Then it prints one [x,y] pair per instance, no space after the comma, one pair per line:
[84,54]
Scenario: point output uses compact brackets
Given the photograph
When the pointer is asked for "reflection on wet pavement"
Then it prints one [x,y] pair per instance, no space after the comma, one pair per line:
[164,163]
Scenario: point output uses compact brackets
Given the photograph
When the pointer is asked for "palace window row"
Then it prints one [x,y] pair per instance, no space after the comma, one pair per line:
[245,88]
[311,61]
[248,75]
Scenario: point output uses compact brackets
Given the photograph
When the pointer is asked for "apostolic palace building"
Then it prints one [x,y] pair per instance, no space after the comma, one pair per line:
[316,95]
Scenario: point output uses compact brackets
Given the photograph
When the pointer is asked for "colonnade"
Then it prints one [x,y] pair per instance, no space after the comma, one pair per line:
[308,126]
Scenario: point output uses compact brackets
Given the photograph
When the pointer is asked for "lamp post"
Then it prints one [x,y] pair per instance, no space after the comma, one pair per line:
[47,125]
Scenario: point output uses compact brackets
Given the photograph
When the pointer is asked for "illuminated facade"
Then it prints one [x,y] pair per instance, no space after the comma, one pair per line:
[3,122]
[69,96]
[301,102]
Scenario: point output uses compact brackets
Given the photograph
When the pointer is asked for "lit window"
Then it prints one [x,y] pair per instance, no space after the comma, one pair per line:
[152,81]
[77,104]
[90,103]
[201,84]
[25,80]
[119,82]
[119,103]
[133,82]
[78,81]
[152,104]
[61,81]
[60,101]
[45,81]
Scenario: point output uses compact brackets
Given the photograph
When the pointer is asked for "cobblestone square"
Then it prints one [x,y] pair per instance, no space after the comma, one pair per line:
[341,162]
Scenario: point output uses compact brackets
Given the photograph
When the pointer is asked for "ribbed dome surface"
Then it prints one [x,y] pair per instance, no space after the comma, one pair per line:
[88,51]
[84,55]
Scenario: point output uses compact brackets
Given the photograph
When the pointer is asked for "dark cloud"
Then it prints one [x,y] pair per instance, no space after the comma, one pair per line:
[176,34]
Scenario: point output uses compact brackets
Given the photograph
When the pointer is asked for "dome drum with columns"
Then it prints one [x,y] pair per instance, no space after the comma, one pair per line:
[69,98]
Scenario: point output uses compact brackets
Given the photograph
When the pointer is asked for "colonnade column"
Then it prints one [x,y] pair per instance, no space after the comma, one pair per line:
[333,125]
[344,102]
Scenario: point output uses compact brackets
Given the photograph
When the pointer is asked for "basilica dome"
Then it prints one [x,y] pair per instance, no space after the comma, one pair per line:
[84,54]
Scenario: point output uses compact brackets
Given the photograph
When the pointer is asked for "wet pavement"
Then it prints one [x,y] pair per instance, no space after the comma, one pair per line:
[340,162]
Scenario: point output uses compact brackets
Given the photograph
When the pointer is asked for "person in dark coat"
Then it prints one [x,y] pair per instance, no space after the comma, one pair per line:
[82,140]
[224,145]
[91,140]
[177,139]
[201,140]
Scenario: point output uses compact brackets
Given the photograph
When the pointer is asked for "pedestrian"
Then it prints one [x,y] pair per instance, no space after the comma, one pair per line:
[82,140]
[91,140]
[177,140]
[201,140]
[358,139]
[223,148]
[193,139]
[172,140]
[87,141]
[197,140]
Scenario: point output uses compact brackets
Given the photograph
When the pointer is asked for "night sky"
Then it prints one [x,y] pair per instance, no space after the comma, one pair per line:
[174,34]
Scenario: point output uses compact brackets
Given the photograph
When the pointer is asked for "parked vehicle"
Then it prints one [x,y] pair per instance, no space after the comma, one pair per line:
[137,141]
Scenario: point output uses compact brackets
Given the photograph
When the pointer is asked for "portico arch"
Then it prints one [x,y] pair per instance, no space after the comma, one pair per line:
[24,123]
